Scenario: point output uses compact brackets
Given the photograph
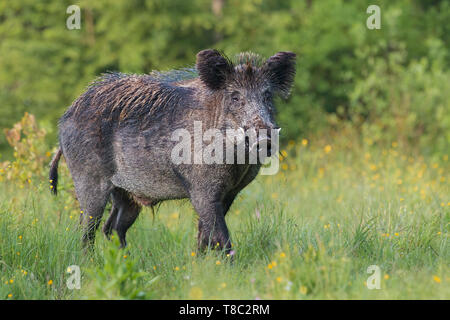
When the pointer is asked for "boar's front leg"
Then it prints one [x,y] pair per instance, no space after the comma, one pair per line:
[212,229]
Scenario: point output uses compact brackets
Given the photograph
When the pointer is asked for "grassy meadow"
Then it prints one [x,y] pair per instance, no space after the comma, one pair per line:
[338,205]
[363,188]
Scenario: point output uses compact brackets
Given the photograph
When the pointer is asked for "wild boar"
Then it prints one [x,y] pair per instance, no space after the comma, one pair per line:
[117,139]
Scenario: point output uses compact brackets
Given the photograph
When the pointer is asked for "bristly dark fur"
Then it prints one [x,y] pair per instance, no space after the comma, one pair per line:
[247,69]
[119,97]
[213,68]
[117,139]
[175,75]
[53,175]
[280,69]
[249,59]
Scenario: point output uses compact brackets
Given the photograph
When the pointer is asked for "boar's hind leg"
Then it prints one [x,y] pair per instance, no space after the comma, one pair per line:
[212,229]
[93,198]
[124,212]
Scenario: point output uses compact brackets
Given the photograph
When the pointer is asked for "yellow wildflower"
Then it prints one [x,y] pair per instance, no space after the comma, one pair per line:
[303,290]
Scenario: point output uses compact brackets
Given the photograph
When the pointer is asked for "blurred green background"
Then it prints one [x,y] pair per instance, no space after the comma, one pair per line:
[388,85]
[364,171]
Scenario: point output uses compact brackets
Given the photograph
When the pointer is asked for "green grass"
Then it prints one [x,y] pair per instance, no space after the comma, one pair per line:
[324,219]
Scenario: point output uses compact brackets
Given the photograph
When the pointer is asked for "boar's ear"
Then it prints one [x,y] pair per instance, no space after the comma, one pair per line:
[280,69]
[213,68]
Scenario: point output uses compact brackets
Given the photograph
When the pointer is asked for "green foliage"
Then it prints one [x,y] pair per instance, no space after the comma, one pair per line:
[364,176]
[309,232]
[345,71]
[117,277]
[30,157]
[409,104]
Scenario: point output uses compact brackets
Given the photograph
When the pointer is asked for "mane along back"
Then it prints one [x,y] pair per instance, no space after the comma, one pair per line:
[119,97]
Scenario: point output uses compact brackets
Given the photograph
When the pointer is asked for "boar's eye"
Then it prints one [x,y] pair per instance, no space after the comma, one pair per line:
[235,96]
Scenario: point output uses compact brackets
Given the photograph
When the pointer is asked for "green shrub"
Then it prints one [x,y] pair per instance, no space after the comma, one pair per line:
[408,104]
[401,68]
[118,277]
[30,155]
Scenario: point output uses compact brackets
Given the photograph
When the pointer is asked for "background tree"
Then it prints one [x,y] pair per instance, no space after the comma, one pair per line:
[45,66]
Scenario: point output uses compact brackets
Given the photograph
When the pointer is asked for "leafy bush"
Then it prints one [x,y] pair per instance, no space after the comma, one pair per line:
[341,64]
[30,157]
[119,277]
[408,104]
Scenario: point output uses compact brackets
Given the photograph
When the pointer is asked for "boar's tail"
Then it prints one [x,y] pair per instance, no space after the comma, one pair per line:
[53,175]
